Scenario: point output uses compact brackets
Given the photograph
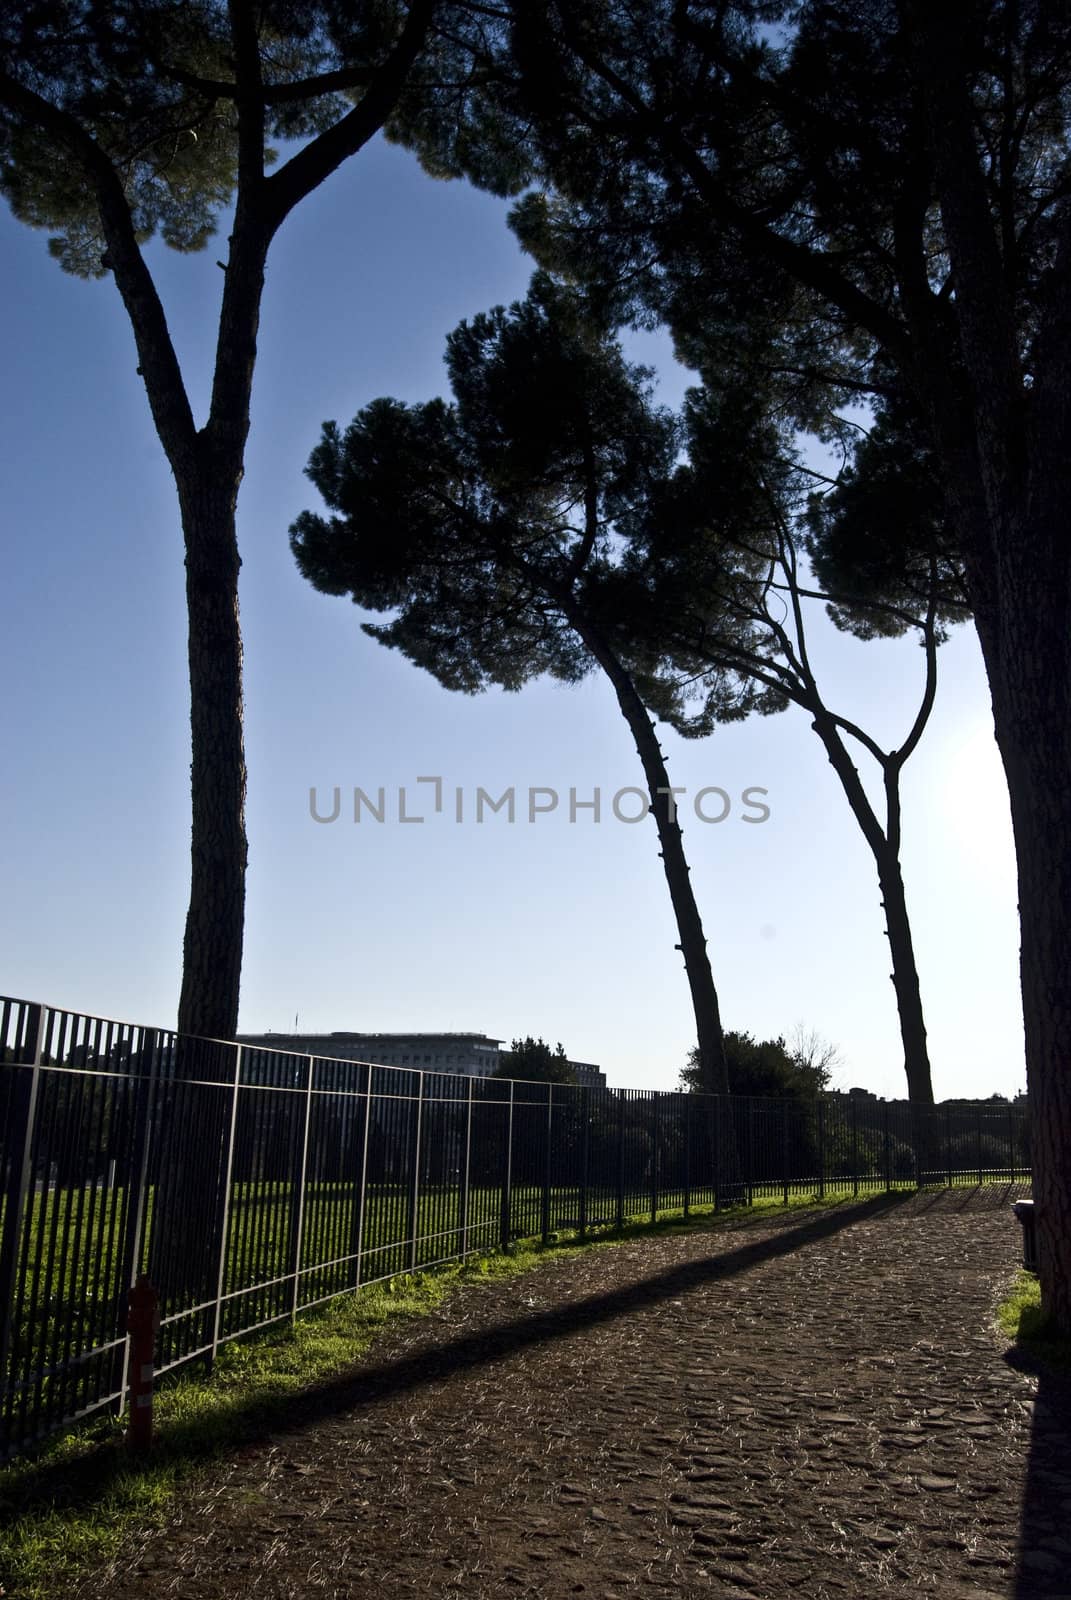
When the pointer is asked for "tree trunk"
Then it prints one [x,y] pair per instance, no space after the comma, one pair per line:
[1044,907]
[1008,493]
[1028,657]
[886,855]
[212,950]
[905,977]
[693,944]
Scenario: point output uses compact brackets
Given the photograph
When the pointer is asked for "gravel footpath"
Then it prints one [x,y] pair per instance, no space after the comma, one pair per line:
[811,1404]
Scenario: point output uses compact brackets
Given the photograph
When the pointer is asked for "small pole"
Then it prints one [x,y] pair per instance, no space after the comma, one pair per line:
[142,1321]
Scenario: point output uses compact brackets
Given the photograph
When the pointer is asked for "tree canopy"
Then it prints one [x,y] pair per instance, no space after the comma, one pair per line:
[497,527]
[552,519]
[768,1067]
[534,1060]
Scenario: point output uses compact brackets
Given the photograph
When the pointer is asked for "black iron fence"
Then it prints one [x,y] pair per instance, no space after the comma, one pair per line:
[252,1184]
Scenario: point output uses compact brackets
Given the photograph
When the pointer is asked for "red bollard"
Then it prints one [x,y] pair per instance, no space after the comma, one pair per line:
[142,1321]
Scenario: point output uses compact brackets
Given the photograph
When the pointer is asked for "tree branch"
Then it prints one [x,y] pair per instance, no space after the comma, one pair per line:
[814,268]
[929,634]
[239,317]
[305,171]
[158,363]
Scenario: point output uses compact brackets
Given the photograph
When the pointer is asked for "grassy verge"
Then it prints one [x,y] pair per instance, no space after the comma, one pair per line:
[1019,1319]
[71,1507]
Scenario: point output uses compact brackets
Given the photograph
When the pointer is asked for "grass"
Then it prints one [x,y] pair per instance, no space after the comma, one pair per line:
[1020,1319]
[71,1507]
[72,1255]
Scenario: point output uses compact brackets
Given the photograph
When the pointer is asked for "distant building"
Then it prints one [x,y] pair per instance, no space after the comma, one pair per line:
[588,1075]
[474,1054]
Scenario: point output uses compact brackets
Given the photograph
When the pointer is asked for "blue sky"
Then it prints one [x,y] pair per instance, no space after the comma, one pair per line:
[549,927]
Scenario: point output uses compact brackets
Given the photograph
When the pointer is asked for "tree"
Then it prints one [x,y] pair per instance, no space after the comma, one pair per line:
[723,545]
[813,1054]
[140,117]
[769,1067]
[878,197]
[534,1060]
[491,528]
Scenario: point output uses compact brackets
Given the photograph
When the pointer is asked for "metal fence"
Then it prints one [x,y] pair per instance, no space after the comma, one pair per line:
[251,1184]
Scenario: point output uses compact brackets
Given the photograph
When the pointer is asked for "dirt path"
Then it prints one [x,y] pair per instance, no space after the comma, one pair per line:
[813,1406]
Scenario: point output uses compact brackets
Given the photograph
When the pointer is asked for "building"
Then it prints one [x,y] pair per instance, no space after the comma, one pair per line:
[473,1054]
[588,1075]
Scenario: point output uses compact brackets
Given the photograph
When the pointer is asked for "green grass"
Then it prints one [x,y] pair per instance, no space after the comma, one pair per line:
[1020,1320]
[71,1507]
[79,1230]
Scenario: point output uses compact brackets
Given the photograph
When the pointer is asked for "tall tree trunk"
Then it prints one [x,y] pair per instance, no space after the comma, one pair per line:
[186,1235]
[905,977]
[1008,493]
[212,950]
[1044,867]
[693,944]
[885,849]
[1028,657]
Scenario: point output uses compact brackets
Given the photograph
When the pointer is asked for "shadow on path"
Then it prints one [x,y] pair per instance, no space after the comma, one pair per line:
[88,1481]
[479,1349]
[984,1197]
[1043,1564]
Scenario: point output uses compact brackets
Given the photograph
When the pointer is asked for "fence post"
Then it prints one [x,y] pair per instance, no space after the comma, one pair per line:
[948,1145]
[221,1273]
[1013,1169]
[978,1125]
[137,1189]
[750,1149]
[714,1105]
[506,1216]
[19,1182]
[821,1148]
[784,1149]
[621,1158]
[686,1120]
[545,1215]
[465,1171]
[585,1139]
[855,1147]
[414,1187]
[298,1210]
[655,1152]
[360,1199]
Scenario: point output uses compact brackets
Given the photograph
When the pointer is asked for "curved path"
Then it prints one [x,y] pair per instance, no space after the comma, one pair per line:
[811,1404]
